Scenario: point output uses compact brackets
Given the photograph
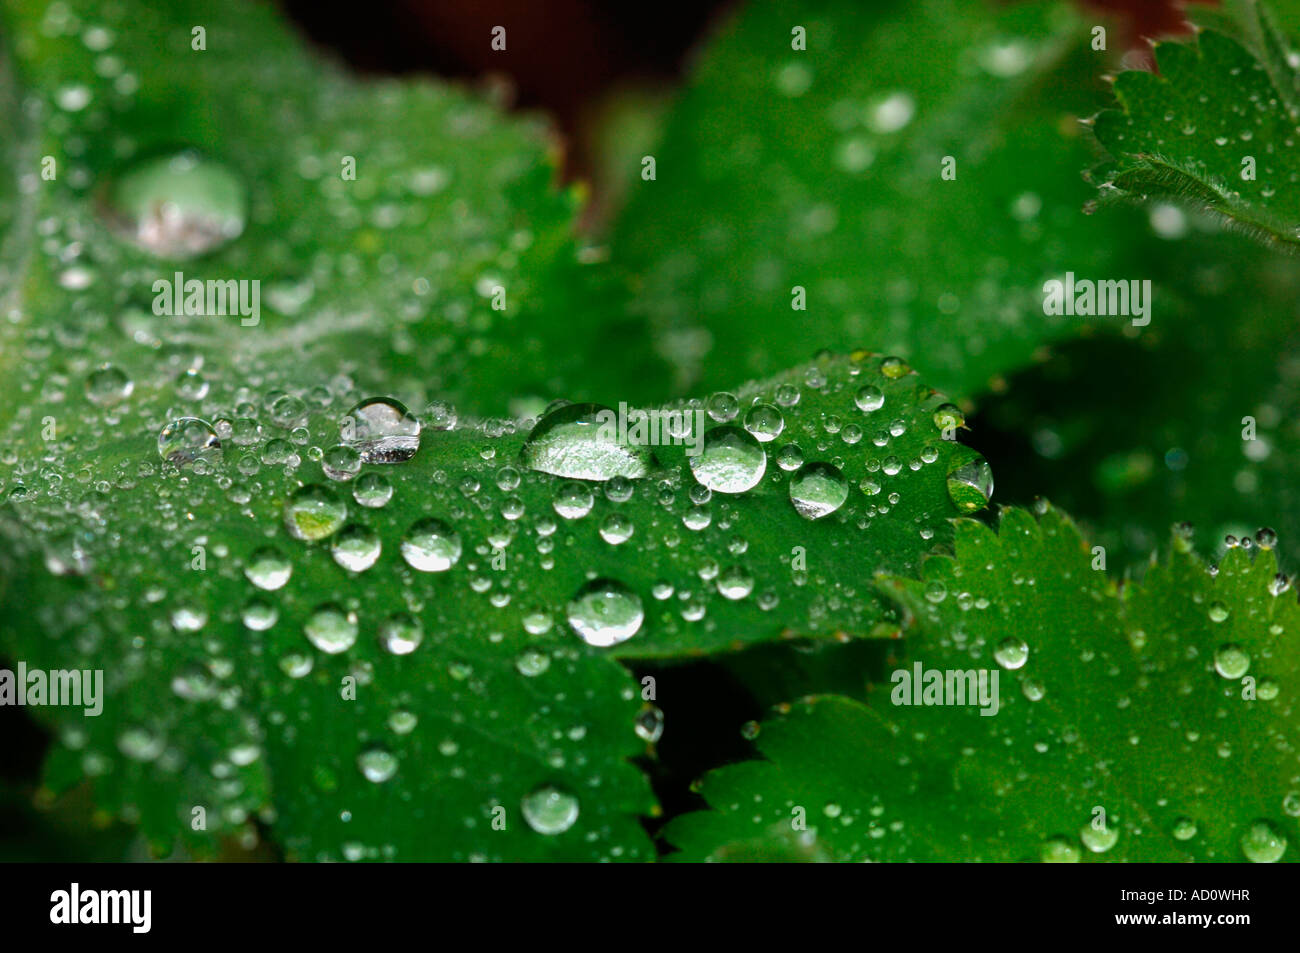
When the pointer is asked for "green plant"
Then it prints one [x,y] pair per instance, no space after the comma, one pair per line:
[376,565]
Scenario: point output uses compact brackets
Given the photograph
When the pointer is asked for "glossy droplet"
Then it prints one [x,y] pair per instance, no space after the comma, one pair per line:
[817,490]
[532,663]
[381,430]
[356,548]
[573,500]
[331,629]
[1184,828]
[372,490]
[341,462]
[731,461]
[1012,653]
[549,810]
[177,206]
[108,385]
[1262,843]
[1058,850]
[1099,841]
[1231,660]
[431,546]
[377,764]
[401,634]
[869,398]
[268,569]
[314,512]
[581,442]
[1218,612]
[765,422]
[188,439]
[970,486]
[605,612]
[650,724]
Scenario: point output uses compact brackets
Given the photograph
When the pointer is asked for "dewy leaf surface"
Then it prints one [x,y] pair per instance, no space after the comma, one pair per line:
[822,169]
[404,232]
[1152,722]
[284,636]
[1215,129]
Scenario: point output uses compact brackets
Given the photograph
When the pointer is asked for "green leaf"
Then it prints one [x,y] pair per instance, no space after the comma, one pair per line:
[224,676]
[1126,722]
[1197,420]
[1210,130]
[390,274]
[822,169]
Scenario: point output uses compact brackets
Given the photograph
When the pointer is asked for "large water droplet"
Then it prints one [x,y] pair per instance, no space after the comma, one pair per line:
[377,764]
[108,385]
[401,634]
[605,612]
[268,569]
[313,513]
[970,486]
[177,206]
[581,441]
[356,548]
[1262,843]
[381,430]
[817,490]
[188,439]
[549,810]
[1231,660]
[331,629]
[731,460]
[431,546]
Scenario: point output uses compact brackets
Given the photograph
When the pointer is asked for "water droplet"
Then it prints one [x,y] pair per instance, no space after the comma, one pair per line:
[731,461]
[1218,611]
[187,440]
[372,490]
[734,583]
[431,546]
[341,462]
[970,485]
[1231,660]
[1099,841]
[580,441]
[177,206]
[381,430]
[869,398]
[314,512]
[108,385]
[331,629]
[1012,653]
[268,569]
[605,612]
[377,764]
[1184,828]
[356,548]
[650,724]
[532,663]
[1058,850]
[765,422]
[573,500]
[401,634]
[549,810]
[1262,843]
[817,490]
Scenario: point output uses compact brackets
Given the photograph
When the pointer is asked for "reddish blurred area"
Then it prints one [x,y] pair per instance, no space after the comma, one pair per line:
[564,56]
